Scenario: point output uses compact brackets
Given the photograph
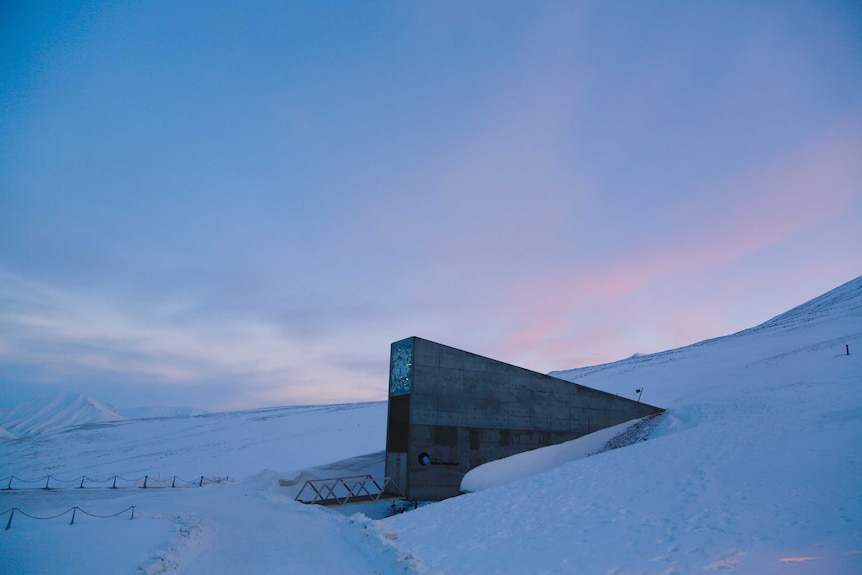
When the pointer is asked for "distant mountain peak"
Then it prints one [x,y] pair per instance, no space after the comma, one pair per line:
[5,435]
[54,412]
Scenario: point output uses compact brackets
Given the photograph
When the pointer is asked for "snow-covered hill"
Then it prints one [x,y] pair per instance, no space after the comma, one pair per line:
[840,309]
[754,469]
[55,412]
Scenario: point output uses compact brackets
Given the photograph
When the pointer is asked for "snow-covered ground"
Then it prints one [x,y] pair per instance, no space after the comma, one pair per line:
[755,469]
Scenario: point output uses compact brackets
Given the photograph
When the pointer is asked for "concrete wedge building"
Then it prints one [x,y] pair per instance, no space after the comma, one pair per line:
[451,411]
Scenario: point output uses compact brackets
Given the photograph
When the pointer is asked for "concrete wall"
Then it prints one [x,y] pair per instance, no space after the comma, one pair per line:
[462,410]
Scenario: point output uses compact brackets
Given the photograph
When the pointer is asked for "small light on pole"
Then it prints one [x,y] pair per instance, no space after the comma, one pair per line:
[639,392]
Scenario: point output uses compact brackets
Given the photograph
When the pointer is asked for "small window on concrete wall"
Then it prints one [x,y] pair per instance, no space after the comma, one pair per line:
[445,435]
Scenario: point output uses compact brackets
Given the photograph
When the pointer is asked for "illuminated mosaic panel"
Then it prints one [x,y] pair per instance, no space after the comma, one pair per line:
[401,367]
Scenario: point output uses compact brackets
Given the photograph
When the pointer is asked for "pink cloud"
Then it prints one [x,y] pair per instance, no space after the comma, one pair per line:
[732,220]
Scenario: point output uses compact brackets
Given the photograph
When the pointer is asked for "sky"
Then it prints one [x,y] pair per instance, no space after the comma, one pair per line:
[242,204]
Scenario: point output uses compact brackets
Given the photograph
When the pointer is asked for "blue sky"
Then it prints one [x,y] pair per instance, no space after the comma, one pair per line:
[234,205]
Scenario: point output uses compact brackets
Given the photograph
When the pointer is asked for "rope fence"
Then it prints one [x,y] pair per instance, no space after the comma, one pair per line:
[73,510]
[110,482]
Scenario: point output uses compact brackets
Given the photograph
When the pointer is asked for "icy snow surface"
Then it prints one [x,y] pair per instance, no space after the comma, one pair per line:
[755,469]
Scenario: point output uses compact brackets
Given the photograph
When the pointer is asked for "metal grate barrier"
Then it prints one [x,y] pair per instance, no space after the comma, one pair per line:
[347,490]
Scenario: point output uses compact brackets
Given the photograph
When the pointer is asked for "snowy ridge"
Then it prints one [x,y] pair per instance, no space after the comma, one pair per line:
[844,301]
[159,411]
[55,412]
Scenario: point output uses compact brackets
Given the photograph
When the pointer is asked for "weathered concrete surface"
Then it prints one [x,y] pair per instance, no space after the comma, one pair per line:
[462,410]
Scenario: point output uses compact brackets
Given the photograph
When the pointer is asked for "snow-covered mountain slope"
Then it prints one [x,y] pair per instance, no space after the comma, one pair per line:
[824,325]
[754,469]
[54,412]
[841,302]
[4,435]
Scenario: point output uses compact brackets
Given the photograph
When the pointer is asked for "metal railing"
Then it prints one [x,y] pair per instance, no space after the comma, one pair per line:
[49,482]
[347,490]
